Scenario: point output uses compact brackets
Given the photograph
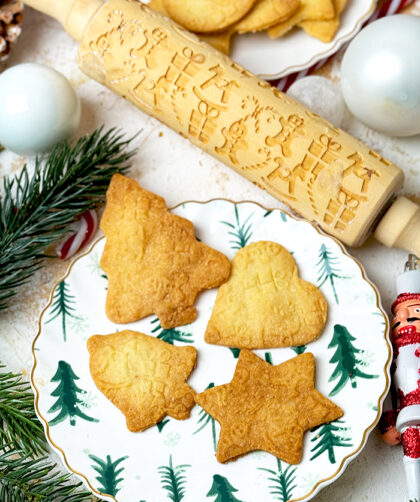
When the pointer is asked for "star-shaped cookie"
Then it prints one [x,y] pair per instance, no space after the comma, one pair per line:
[143,376]
[153,261]
[267,407]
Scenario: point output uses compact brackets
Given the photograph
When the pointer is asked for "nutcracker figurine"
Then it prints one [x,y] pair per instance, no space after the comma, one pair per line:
[401,423]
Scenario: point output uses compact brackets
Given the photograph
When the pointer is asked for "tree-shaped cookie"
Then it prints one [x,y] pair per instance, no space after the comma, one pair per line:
[264,303]
[153,261]
[143,376]
[267,407]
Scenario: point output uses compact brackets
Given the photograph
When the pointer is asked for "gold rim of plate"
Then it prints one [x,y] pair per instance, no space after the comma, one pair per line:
[338,42]
[345,460]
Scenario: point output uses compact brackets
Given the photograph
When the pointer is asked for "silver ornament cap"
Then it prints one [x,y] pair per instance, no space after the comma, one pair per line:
[409,280]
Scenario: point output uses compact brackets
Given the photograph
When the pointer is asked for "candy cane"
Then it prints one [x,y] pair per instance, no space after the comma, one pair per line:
[83,228]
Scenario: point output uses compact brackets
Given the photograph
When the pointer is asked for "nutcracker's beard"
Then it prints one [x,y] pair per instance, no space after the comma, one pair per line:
[407,335]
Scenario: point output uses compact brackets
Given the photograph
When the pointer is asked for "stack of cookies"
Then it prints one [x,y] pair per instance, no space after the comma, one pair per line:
[155,264]
[216,21]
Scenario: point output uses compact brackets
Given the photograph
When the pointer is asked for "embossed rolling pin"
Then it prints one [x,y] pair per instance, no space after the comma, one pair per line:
[321,172]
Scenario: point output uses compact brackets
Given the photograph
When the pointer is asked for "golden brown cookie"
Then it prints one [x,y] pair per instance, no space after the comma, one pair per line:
[325,30]
[264,303]
[314,10]
[267,407]
[206,16]
[152,259]
[158,6]
[220,41]
[266,13]
[143,376]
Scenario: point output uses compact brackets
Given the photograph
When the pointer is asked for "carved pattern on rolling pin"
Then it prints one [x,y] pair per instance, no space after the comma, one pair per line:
[359,169]
[203,120]
[290,128]
[341,210]
[324,174]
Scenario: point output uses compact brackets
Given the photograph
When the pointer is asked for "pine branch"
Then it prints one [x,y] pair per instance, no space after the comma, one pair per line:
[282,479]
[23,479]
[241,233]
[173,480]
[19,425]
[171,335]
[108,474]
[37,211]
[62,306]
[206,419]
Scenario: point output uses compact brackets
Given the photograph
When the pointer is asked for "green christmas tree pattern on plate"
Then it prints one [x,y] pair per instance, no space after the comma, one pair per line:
[241,232]
[108,474]
[63,306]
[222,490]
[328,437]
[347,358]
[283,480]
[327,269]
[283,216]
[299,349]
[206,419]
[175,460]
[173,479]
[160,425]
[171,335]
[69,396]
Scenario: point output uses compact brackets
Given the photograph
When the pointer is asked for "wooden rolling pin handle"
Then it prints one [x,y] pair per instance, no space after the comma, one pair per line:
[74,15]
[400,226]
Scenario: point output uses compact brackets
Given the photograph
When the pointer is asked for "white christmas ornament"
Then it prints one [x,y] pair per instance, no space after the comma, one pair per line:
[380,75]
[322,96]
[38,108]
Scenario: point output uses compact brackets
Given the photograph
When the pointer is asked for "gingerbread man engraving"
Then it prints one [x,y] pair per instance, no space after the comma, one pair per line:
[234,141]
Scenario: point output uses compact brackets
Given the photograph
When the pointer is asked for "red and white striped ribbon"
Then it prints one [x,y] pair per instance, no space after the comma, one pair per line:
[84,228]
[388,8]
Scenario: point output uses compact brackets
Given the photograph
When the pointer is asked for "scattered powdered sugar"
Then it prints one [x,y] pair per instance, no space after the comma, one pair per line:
[322,96]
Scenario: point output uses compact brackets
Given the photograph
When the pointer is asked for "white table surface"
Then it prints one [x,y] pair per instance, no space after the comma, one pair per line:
[170,166]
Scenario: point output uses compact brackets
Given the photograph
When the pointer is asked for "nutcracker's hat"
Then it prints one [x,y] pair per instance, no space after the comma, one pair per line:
[404,297]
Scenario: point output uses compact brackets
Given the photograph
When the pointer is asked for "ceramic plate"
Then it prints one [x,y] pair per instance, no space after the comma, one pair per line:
[175,460]
[296,50]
